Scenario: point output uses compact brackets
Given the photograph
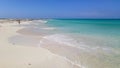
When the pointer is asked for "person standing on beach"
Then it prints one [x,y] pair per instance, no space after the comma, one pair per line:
[19,21]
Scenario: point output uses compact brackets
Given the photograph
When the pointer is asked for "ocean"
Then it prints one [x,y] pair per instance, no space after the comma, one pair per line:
[92,43]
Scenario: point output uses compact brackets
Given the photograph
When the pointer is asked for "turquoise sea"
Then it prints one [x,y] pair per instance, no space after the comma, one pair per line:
[96,42]
[108,29]
[85,43]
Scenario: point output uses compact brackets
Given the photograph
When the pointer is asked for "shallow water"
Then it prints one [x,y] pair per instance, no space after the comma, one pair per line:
[95,42]
[85,43]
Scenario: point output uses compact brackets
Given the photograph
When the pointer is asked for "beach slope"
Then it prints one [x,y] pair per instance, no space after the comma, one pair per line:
[17,56]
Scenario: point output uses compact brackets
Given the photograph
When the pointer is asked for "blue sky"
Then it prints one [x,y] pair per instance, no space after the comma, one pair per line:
[59,8]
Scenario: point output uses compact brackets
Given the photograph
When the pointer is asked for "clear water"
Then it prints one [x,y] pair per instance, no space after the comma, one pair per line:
[90,43]
[100,27]
[97,39]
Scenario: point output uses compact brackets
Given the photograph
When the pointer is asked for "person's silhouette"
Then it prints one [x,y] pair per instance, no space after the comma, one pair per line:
[19,21]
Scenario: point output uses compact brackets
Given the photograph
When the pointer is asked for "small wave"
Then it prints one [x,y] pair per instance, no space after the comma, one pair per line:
[62,39]
[40,21]
[66,40]
[69,41]
[48,28]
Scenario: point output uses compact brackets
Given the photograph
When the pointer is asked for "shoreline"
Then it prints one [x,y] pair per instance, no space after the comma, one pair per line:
[78,54]
[21,56]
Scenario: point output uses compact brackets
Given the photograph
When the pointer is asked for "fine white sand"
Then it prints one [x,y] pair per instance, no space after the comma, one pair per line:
[19,56]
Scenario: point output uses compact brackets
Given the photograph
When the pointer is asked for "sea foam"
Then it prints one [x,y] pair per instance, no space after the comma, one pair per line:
[69,41]
[66,40]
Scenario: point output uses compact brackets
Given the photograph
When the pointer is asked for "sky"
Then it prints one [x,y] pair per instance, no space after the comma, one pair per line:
[59,8]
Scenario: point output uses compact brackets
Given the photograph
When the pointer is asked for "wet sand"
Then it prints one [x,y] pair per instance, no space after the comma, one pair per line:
[13,55]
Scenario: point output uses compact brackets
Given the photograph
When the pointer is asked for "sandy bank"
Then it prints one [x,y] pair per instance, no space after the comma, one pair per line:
[17,56]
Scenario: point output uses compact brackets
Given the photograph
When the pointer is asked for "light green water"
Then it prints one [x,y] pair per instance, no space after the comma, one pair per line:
[98,40]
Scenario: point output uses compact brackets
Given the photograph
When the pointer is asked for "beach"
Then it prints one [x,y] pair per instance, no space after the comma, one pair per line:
[59,33]
[13,55]
[59,44]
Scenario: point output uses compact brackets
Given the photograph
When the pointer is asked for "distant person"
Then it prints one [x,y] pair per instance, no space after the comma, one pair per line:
[19,21]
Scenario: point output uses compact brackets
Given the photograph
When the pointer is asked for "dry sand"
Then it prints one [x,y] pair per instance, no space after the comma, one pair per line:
[18,56]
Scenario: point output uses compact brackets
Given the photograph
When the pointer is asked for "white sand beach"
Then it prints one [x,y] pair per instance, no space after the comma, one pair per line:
[24,56]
